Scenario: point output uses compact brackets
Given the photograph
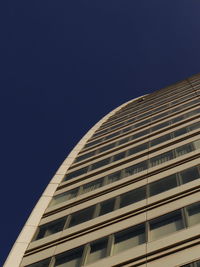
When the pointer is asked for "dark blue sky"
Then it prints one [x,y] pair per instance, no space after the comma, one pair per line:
[64,65]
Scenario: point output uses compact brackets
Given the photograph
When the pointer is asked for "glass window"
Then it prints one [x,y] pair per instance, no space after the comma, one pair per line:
[138,149]
[51,228]
[129,238]
[127,129]
[100,163]
[197,144]
[44,263]
[104,148]
[136,168]
[180,132]
[161,139]
[162,185]
[92,186]
[177,119]
[137,135]
[97,251]
[189,175]
[85,156]
[64,197]
[160,126]
[81,216]
[193,212]
[119,156]
[132,196]
[70,259]
[161,158]
[107,206]
[142,123]
[111,135]
[124,140]
[194,126]
[182,150]
[114,177]
[166,224]
[76,173]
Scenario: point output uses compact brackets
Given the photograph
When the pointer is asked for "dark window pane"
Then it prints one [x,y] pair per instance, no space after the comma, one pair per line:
[161,158]
[81,216]
[189,175]
[138,149]
[194,126]
[97,251]
[70,259]
[114,177]
[100,164]
[75,173]
[184,150]
[160,140]
[160,126]
[177,119]
[119,156]
[112,135]
[64,197]
[132,196]
[44,263]
[180,132]
[129,238]
[51,228]
[124,140]
[136,168]
[92,186]
[166,224]
[137,135]
[85,156]
[107,206]
[193,212]
[104,148]
[162,185]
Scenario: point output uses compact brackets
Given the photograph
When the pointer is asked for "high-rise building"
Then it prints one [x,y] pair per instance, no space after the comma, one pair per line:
[129,192]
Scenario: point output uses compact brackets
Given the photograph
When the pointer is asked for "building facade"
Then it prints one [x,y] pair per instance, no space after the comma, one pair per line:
[129,192]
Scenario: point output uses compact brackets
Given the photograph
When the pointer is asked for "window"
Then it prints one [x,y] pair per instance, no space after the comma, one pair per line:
[160,126]
[107,206]
[194,126]
[162,185]
[104,148]
[114,177]
[132,196]
[92,186]
[70,259]
[85,156]
[75,173]
[124,140]
[161,139]
[44,263]
[166,224]
[197,144]
[81,216]
[129,238]
[189,175]
[161,158]
[64,197]
[137,135]
[180,132]
[97,251]
[182,150]
[138,149]
[100,163]
[50,228]
[136,168]
[193,212]
[119,156]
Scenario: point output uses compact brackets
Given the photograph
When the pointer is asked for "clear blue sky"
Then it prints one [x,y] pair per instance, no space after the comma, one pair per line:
[64,65]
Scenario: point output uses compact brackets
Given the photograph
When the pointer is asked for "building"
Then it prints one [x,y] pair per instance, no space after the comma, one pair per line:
[129,192]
